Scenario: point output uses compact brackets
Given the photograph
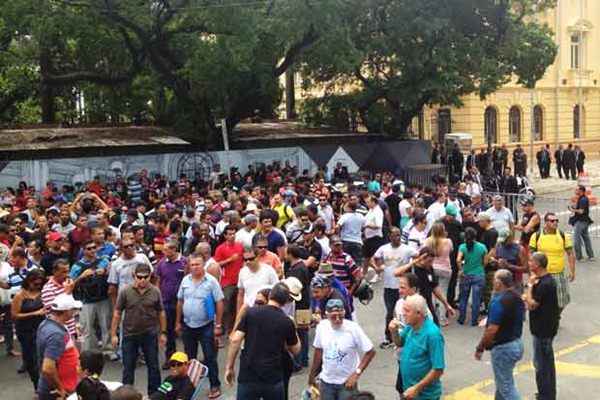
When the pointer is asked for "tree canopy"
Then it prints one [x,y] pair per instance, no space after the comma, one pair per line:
[190,63]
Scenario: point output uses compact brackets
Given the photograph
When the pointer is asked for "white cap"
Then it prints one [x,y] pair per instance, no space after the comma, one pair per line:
[295,287]
[65,302]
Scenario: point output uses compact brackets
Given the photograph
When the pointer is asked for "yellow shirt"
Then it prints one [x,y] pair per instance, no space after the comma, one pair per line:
[285,214]
[553,246]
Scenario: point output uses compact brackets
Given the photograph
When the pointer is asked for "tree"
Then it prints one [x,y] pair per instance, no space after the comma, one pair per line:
[396,56]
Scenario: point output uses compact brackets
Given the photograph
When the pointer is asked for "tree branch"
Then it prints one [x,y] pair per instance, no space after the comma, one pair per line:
[293,52]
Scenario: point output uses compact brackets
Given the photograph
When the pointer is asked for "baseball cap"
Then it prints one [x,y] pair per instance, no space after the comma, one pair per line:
[451,210]
[179,356]
[335,239]
[65,302]
[54,236]
[527,201]
[498,197]
[319,282]
[295,287]
[334,305]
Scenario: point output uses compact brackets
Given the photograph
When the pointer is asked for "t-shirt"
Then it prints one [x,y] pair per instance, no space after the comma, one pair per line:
[285,214]
[507,310]
[54,342]
[49,292]
[261,360]
[245,238]
[351,225]
[344,268]
[554,247]
[473,259]
[300,271]
[49,258]
[374,218]
[121,270]
[489,238]
[271,259]
[393,257]
[416,238]
[342,348]
[543,321]
[230,271]
[174,388]
[275,240]
[253,281]
[423,351]
[501,220]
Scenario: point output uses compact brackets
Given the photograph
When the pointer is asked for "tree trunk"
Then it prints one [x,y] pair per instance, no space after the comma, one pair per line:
[47,103]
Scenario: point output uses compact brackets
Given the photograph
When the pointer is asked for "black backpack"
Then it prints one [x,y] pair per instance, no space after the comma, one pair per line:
[93,288]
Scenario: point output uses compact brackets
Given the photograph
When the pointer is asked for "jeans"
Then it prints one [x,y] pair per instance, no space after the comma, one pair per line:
[90,313]
[302,358]
[229,307]
[504,358]
[259,390]
[171,312]
[332,391]
[470,283]
[148,343]
[545,371]
[30,359]
[206,336]
[581,234]
[390,297]
[7,328]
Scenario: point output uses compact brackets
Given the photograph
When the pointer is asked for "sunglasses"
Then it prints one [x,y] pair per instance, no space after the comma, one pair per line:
[142,277]
[261,247]
[552,220]
[91,248]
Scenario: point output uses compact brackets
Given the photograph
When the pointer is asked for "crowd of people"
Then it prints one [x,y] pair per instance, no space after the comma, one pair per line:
[271,266]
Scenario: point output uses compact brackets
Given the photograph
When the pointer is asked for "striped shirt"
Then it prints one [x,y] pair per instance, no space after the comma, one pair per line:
[344,268]
[49,292]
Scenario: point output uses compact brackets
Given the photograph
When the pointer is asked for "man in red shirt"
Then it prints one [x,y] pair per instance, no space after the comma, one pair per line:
[229,255]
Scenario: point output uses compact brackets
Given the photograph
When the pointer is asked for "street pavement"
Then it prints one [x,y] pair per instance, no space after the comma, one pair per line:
[577,349]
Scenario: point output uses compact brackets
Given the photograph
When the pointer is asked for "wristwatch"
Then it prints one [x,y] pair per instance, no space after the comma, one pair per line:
[358,371]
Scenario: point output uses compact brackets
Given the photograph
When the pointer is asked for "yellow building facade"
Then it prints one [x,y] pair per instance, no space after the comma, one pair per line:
[563,108]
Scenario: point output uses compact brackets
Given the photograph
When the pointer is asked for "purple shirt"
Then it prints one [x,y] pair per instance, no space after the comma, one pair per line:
[170,274]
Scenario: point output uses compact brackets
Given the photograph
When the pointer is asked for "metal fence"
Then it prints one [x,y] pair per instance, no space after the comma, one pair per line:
[544,204]
[423,174]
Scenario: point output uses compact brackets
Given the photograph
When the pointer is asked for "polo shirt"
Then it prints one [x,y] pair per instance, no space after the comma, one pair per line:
[121,270]
[49,292]
[199,300]
[351,225]
[553,246]
[502,219]
[423,351]
[142,310]
[230,272]
[170,274]
[507,310]
[344,268]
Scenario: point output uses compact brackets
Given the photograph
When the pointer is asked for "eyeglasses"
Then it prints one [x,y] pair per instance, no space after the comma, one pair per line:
[552,220]
[142,277]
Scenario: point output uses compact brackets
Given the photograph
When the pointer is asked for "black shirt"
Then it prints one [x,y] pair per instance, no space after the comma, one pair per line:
[268,330]
[428,281]
[300,271]
[174,388]
[543,321]
[489,238]
[582,204]
[392,201]
[454,231]
[49,258]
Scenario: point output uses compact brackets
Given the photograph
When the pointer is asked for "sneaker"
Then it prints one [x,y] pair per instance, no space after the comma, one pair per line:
[591,259]
[386,344]
[113,356]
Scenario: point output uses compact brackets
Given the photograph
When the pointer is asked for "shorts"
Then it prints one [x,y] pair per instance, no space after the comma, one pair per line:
[371,245]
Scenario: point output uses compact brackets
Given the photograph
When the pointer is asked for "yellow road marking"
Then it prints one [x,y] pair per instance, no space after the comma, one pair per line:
[475,392]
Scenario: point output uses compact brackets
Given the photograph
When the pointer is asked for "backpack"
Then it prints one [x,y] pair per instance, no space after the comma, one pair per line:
[539,233]
[93,288]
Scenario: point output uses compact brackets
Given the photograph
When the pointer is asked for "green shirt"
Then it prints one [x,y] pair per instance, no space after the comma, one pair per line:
[473,260]
[423,351]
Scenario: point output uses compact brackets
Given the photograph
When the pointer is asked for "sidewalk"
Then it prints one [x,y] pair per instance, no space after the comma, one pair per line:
[555,185]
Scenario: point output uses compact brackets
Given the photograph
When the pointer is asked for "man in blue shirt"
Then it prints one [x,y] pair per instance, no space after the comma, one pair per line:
[90,280]
[502,334]
[200,307]
[422,361]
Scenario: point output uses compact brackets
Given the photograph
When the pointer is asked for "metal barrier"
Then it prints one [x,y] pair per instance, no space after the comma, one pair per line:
[544,204]
[423,174]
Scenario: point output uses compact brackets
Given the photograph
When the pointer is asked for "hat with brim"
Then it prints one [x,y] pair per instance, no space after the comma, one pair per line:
[295,287]
[325,269]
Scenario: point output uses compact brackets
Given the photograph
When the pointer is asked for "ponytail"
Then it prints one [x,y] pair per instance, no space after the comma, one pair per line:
[470,236]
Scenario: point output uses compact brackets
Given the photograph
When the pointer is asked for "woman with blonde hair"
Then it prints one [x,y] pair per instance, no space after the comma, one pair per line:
[442,248]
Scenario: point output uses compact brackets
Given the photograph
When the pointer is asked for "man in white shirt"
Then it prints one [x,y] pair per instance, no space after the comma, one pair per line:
[387,258]
[253,277]
[247,232]
[418,233]
[501,217]
[326,212]
[437,210]
[121,270]
[338,345]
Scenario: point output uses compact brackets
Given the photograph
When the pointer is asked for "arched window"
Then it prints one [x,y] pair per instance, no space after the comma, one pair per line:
[514,124]
[538,122]
[578,115]
[490,118]
[444,124]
